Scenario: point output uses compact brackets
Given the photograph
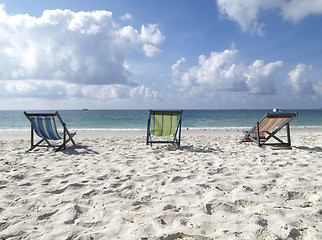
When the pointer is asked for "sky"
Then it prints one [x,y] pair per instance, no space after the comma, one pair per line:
[161,54]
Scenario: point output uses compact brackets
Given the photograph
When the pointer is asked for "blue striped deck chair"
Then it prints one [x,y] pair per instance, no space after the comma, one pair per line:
[163,124]
[44,125]
[267,128]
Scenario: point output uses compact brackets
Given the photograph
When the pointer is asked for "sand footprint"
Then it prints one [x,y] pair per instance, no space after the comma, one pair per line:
[244,203]
[180,235]
[264,233]
[90,194]
[177,179]
[3,184]
[103,177]
[70,214]
[4,225]
[72,186]
[217,205]
[46,215]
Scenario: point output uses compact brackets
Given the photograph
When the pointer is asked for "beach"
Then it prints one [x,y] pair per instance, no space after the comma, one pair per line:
[114,186]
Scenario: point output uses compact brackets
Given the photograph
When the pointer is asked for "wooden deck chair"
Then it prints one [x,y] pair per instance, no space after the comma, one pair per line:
[44,125]
[267,127]
[164,123]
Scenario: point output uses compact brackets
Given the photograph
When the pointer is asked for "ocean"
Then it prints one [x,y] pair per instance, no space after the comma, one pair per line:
[135,120]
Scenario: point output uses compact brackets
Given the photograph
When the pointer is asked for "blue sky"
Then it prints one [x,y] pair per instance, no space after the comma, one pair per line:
[169,54]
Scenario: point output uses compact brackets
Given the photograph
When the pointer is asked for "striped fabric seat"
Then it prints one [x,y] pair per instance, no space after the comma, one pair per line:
[271,122]
[267,127]
[162,124]
[45,127]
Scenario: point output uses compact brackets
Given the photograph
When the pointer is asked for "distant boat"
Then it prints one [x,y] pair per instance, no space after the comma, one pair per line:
[85,109]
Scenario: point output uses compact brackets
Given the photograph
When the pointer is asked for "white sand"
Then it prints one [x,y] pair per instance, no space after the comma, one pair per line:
[114,186]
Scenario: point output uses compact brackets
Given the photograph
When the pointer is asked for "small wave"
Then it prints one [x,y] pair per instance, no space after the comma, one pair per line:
[215,128]
[24,130]
[307,127]
[108,129]
[14,130]
[244,128]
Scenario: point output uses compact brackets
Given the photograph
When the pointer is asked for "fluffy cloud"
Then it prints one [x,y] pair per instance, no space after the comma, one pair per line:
[50,90]
[318,88]
[126,16]
[144,93]
[298,80]
[53,89]
[260,77]
[245,13]
[295,11]
[75,47]
[151,34]
[151,50]
[175,67]
[221,71]
[224,79]
[225,71]
[72,55]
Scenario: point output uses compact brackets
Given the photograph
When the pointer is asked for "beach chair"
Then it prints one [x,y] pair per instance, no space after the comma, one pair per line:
[268,127]
[44,125]
[162,124]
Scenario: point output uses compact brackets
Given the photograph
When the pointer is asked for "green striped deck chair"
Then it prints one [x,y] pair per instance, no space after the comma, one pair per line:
[164,124]
[267,128]
[44,125]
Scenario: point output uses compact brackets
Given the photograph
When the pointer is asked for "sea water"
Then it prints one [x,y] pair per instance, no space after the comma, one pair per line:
[134,120]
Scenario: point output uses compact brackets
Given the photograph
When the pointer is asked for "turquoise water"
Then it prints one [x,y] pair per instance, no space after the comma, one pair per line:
[133,120]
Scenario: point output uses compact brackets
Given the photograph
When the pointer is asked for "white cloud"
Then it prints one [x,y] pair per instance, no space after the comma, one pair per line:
[260,77]
[75,47]
[246,13]
[58,90]
[151,50]
[151,34]
[225,71]
[317,87]
[127,16]
[106,92]
[298,81]
[118,92]
[295,10]
[75,56]
[175,67]
[35,89]
[217,72]
[144,93]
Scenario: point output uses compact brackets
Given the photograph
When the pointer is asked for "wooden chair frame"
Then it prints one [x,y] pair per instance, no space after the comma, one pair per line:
[258,132]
